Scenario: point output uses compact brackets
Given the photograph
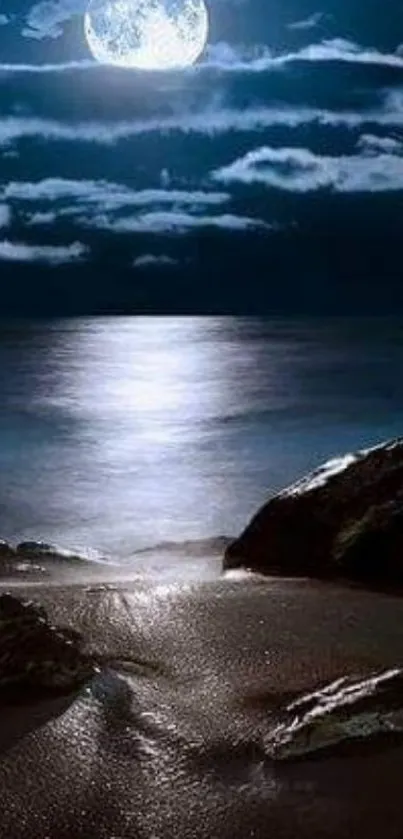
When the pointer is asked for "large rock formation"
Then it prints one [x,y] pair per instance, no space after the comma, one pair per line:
[344,520]
[35,656]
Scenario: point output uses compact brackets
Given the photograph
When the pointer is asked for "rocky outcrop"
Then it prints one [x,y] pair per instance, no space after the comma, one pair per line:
[345,520]
[13,564]
[344,711]
[211,546]
[36,559]
[6,551]
[43,550]
[35,656]
[34,550]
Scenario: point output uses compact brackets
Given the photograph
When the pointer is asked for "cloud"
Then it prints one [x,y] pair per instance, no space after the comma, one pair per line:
[44,69]
[210,122]
[99,204]
[373,144]
[339,49]
[10,154]
[173,222]
[207,123]
[223,55]
[4,20]
[53,255]
[301,170]
[47,18]
[108,195]
[150,260]
[262,60]
[224,58]
[310,22]
[5,215]
[39,219]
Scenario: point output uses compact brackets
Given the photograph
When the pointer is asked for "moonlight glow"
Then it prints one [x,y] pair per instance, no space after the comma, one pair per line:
[147,34]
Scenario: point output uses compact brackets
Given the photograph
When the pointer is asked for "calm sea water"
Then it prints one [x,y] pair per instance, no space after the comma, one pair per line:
[118,433]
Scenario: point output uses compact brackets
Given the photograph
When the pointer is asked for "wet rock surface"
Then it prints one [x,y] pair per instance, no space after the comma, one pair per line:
[343,711]
[345,520]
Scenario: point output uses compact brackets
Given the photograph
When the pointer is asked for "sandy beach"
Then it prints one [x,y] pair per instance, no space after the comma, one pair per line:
[174,747]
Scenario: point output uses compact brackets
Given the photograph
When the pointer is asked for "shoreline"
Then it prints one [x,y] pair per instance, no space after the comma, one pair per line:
[191,735]
[42,561]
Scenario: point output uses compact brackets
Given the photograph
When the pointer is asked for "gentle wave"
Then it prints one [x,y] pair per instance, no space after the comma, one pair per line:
[209,546]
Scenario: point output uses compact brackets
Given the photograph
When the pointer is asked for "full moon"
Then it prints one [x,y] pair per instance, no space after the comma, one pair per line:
[147,34]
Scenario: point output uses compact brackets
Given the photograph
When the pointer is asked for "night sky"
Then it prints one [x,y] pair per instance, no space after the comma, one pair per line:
[269,178]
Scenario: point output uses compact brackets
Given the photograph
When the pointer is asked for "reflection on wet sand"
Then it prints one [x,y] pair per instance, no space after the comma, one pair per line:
[181,752]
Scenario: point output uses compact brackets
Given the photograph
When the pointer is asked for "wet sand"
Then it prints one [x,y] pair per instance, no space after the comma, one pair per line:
[176,748]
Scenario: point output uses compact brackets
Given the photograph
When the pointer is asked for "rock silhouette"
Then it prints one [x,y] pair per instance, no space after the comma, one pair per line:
[345,520]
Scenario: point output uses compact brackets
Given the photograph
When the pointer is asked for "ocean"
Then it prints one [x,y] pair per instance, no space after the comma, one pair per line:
[120,433]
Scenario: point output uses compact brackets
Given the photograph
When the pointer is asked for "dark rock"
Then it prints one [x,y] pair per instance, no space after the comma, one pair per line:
[36,657]
[343,520]
[377,536]
[6,551]
[35,550]
[42,550]
[12,608]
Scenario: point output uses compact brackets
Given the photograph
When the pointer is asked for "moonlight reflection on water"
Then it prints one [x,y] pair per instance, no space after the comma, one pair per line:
[137,431]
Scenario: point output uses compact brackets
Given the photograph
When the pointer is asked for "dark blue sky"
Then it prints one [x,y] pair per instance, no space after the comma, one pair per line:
[268,178]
